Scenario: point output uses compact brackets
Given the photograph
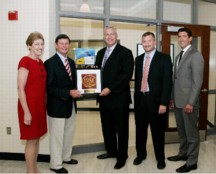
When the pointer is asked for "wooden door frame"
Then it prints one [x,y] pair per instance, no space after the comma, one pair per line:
[202,31]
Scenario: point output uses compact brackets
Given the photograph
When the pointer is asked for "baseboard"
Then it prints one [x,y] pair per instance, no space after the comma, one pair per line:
[97,109]
[21,157]
[46,157]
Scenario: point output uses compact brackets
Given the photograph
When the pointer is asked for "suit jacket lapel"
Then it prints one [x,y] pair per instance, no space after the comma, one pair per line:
[112,55]
[141,67]
[61,65]
[101,56]
[184,57]
[153,62]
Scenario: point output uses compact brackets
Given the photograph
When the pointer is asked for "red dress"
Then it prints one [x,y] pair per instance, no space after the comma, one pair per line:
[35,91]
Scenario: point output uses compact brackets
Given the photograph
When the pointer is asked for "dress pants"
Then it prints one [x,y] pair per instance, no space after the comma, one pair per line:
[115,128]
[188,134]
[61,139]
[146,113]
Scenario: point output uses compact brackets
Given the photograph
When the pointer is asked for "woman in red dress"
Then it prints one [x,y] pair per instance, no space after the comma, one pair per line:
[31,83]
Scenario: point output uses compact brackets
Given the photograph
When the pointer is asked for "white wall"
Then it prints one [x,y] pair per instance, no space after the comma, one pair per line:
[33,15]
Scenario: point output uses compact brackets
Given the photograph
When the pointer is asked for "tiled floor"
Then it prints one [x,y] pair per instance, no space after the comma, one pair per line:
[88,163]
[88,131]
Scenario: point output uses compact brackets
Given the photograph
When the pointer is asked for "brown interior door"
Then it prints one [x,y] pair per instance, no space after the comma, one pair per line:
[201,41]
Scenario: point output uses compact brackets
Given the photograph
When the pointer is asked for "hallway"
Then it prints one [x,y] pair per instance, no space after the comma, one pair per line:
[88,163]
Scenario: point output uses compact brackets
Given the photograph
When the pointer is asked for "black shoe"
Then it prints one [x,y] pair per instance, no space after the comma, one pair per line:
[185,168]
[119,164]
[105,156]
[61,170]
[161,164]
[138,160]
[177,158]
[72,161]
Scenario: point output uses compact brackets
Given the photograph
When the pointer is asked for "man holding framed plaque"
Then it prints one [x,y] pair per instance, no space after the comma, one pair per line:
[117,63]
[61,104]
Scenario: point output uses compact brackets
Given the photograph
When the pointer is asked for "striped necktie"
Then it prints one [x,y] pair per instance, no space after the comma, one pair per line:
[67,67]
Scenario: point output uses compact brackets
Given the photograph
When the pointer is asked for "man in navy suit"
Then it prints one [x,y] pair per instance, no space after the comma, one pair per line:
[61,94]
[117,65]
[153,84]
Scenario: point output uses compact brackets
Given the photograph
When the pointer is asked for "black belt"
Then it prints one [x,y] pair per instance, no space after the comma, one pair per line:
[145,93]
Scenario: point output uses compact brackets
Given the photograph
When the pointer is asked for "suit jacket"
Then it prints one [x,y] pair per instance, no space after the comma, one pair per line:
[59,101]
[116,76]
[159,79]
[188,78]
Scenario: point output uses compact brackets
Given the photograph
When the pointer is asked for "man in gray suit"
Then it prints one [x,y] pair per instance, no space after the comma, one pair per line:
[188,78]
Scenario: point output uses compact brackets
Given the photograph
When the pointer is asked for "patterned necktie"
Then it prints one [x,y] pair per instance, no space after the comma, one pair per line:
[145,74]
[106,56]
[67,67]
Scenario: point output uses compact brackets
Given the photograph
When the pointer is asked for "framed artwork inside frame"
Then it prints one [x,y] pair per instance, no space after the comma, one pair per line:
[89,82]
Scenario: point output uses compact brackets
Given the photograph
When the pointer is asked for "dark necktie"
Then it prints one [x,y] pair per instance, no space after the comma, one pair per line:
[181,53]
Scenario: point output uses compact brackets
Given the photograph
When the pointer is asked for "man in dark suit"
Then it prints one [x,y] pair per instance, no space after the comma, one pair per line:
[153,84]
[188,78]
[117,65]
[61,94]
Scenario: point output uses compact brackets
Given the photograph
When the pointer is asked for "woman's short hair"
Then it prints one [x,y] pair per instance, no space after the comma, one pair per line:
[34,36]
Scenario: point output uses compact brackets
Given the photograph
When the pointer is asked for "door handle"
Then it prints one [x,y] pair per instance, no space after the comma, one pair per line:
[204,90]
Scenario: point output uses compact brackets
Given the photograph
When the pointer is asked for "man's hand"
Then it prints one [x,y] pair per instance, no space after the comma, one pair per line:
[75,93]
[162,109]
[188,108]
[105,92]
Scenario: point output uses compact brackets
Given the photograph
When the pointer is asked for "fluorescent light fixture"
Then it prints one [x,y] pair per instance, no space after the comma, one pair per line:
[85,7]
[173,28]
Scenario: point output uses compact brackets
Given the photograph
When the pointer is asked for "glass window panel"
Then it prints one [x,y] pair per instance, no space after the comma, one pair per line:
[212,78]
[212,61]
[130,34]
[211,109]
[138,8]
[90,6]
[177,10]
[206,13]
[85,33]
[172,121]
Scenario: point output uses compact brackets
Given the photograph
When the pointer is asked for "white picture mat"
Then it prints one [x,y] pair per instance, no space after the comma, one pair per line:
[89,71]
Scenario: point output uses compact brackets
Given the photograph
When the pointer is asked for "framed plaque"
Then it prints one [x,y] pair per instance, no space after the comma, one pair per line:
[89,81]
